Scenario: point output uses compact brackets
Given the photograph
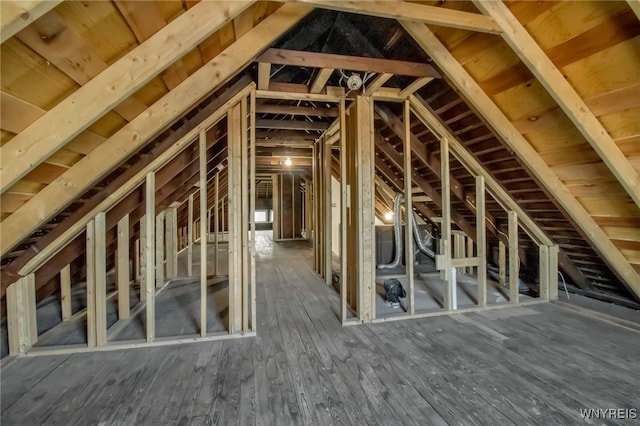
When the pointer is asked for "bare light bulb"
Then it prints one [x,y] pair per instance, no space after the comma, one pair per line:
[388,215]
[288,162]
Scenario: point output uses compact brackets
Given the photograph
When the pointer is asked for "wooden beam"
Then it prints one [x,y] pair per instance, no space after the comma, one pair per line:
[49,243]
[68,118]
[21,315]
[502,263]
[165,175]
[321,80]
[292,125]
[343,213]
[123,268]
[424,185]
[471,163]
[150,256]
[353,63]
[75,182]
[417,84]
[514,260]
[408,203]
[263,108]
[445,227]
[543,272]
[285,135]
[377,83]
[143,257]
[635,6]
[264,75]
[65,48]
[204,231]
[252,207]
[401,10]
[145,19]
[216,223]
[481,242]
[190,237]
[100,270]
[565,95]
[244,211]
[427,116]
[420,150]
[18,14]
[91,283]
[234,121]
[65,292]
[129,203]
[522,148]
[328,213]
[296,96]
[160,254]
[171,239]
[365,209]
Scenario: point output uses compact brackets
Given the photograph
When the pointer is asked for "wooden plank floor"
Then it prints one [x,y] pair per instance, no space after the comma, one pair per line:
[527,365]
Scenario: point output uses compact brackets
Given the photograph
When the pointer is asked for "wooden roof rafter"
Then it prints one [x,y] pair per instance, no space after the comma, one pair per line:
[59,125]
[135,134]
[414,12]
[635,6]
[565,95]
[330,61]
[17,15]
[123,190]
[496,118]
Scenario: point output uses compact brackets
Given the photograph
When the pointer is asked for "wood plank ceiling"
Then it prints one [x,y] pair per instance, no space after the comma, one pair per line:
[49,62]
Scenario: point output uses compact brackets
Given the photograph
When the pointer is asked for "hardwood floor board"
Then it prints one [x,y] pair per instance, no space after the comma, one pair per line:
[33,372]
[139,385]
[247,385]
[327,389]
[200,393]
[272,350]
[514,398]
[226,404]
[345,382]
[524,365]
[433,388]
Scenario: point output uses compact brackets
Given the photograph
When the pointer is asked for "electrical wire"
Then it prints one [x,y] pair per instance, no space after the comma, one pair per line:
[565,284]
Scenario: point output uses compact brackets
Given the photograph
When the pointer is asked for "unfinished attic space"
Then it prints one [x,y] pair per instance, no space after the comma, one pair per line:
[320,212]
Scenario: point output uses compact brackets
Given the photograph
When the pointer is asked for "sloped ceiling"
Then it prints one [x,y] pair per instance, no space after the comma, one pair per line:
[596,46]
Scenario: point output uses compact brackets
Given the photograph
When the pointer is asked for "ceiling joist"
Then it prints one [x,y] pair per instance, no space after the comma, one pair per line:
[292,125]
[353,63]
[414,12]
[263,108]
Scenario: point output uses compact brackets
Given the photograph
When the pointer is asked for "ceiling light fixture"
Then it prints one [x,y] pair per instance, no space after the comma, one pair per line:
[288,162]
[354,82]
[388,215]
